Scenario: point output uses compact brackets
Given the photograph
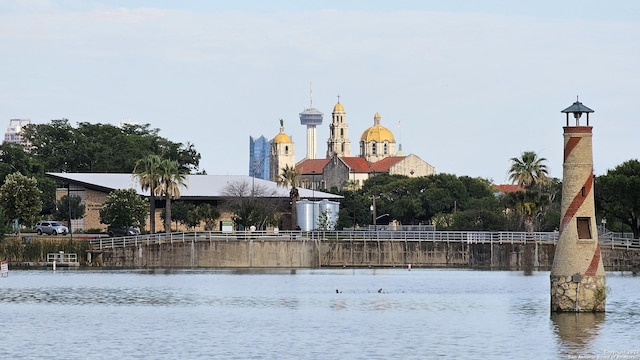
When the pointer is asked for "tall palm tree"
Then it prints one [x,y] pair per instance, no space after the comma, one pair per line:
[289,177]
[171,177]
[146,170]
[530,173]
[528,170]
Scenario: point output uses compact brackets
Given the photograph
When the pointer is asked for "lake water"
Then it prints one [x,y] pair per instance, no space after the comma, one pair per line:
[312,314]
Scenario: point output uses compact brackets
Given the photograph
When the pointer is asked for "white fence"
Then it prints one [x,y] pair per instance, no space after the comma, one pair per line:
[470,237]
[62,258]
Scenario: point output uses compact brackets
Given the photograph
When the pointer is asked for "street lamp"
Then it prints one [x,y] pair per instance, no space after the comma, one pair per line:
[69,206]
[313,192]
[354,198]
[373,210]
[253,175]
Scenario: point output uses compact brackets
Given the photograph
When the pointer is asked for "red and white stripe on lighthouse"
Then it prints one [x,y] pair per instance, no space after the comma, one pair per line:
[577,274]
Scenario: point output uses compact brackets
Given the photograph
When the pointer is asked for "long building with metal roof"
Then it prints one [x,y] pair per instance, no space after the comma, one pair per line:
[93,189]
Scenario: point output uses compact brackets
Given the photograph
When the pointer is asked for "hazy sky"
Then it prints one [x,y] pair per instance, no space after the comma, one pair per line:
[465,85]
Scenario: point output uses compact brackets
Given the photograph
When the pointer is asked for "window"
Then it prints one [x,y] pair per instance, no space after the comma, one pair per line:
[584,228]
[373,148]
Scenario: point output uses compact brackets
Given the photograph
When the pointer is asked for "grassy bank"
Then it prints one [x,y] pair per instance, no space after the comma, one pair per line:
[36,248]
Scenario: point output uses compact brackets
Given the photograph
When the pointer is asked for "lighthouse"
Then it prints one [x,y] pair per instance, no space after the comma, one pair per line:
[577,275]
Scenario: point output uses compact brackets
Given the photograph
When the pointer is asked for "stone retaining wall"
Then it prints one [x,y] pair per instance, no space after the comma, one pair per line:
[354,253]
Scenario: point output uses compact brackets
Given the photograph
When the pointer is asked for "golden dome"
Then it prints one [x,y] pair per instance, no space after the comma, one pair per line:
[338,107]
[282,138]
[377,132]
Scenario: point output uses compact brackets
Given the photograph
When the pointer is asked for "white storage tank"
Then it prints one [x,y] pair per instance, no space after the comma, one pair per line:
[305,213]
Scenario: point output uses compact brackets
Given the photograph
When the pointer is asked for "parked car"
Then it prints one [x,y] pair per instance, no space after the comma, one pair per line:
[123,231]
[50,228]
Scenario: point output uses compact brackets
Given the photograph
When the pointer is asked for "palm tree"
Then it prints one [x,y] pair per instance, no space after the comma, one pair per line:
[530,173]
[291,178]
[528,170]
[171,177]
[146,170]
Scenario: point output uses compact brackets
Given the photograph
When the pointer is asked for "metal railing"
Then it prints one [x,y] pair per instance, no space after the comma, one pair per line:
[62,258]
[469,237]
[613,241]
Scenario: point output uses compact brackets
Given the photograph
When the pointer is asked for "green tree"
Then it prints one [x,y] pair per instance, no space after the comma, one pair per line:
[68,208]
[209,215]
[5,225]
[617,194]
[102,147]
[20,199]
[251,204]
[148,173]
[124,208]
[325,222]
[52,144]
[185,213]
[530,173]
[171,178]
[354,209]
[528,170]
[478,220]
[290,178]
[14,158]
[421,200]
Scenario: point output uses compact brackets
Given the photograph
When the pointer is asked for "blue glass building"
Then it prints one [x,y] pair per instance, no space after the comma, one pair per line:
[259,157]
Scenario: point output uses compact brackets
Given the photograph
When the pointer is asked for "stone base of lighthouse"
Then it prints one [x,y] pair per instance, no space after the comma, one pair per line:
[578,293]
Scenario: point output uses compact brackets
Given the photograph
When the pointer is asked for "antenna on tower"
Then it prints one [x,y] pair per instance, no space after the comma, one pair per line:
[400,138]
[310,95]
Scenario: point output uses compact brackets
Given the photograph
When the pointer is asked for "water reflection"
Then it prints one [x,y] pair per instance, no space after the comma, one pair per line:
[576,331]
[357,314]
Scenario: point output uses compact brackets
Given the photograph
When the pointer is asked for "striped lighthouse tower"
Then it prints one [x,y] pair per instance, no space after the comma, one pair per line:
[577,274]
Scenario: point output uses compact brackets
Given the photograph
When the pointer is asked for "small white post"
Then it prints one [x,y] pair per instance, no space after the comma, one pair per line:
[54,265]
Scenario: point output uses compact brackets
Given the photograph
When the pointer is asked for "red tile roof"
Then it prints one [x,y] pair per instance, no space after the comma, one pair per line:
[357,164]
[385,164]
[506,188]
[309,166]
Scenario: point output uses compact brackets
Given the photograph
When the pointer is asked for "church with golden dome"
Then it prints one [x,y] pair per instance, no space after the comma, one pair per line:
[378,154]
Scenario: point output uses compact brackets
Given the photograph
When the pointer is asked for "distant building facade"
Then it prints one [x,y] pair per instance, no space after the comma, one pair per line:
[378,155]
[259,149]
[14,131]
[282,153]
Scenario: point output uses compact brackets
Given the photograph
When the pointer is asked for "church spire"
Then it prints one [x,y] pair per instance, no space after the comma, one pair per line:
[338,142]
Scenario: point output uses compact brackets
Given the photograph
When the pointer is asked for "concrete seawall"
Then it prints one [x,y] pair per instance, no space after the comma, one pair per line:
[349,253]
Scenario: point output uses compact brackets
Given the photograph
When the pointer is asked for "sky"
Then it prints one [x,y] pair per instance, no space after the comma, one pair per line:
[464,85]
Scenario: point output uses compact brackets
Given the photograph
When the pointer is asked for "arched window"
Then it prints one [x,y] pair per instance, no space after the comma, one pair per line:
[373,148]
[385,149]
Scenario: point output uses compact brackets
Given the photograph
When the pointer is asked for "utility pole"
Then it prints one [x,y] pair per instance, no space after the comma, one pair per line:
[373,210]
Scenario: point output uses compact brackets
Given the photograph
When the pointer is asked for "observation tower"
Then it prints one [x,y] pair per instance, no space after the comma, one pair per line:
[311,117]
